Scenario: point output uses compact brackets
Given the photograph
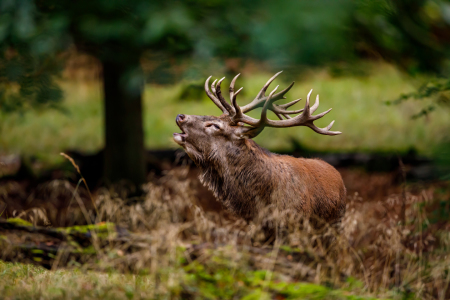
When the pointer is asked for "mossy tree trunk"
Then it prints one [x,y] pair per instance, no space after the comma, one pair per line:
[124,136]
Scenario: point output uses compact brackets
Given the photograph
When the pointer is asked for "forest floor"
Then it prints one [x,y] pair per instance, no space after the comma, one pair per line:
[176,242]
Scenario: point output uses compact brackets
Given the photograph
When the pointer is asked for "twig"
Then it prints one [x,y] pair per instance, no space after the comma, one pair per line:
[6,205]
[398,274]
[403,210]
[270,270]
[84,180]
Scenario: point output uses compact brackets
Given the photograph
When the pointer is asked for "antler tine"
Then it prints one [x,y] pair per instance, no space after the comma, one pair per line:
[280,110]
[279,116]
[212,96]
[238,114]
[261,98]
[213,86]
[287,105]
[268,103]
[232,85]
[276,108]
[222,100]
[262,92]
[316,104]
[237,109]
[304,119]
[240,117]
[324,131]
[307,108]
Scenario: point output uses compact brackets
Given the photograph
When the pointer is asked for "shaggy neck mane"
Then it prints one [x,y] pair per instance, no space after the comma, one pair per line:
[239,176]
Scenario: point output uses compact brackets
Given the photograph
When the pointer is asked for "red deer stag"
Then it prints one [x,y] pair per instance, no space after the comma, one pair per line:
[245,177]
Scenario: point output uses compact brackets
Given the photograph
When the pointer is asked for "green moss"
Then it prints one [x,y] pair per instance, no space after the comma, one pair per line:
[257,294]
[102,230]
[290,249]
[85,250]
[106,227]
[19,221]
[3,238]
[215,279]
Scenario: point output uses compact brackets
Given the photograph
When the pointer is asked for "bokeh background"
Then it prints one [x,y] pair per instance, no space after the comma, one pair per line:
[381,65]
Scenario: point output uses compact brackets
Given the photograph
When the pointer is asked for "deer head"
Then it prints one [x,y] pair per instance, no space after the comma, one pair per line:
[203,136]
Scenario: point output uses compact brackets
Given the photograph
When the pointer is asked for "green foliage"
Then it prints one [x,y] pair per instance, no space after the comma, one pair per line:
[442,156]
[29,44]
[435,88]
[303,32]
[35,34]
[413,35]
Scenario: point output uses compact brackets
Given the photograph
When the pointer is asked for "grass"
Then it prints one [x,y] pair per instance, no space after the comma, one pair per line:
[374,256]
[19,281]
[358,108]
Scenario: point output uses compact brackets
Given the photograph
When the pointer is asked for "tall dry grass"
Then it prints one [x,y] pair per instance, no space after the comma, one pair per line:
[372,245]
[388,244]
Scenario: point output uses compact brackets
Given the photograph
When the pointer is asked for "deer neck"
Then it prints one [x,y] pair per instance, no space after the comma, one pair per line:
[239,177]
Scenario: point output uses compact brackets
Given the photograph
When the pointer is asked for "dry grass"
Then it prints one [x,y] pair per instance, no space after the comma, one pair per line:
[179,250]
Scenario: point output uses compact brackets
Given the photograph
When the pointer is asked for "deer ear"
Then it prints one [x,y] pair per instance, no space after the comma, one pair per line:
[249,132]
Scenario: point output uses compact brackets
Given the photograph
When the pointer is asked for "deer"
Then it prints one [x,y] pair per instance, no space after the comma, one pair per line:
[245,177]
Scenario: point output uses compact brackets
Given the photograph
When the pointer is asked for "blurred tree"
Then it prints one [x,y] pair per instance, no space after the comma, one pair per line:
[28,44]
[117,33]
[35,34]
[413,34]
[312,33]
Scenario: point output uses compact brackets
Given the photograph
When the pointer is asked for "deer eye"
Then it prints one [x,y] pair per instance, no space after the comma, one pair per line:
[212,124]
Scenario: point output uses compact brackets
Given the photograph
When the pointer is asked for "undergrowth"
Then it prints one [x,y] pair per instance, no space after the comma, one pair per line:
[175,249]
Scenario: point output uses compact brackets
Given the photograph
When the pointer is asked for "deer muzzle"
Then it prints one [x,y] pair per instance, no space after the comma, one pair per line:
[180,138]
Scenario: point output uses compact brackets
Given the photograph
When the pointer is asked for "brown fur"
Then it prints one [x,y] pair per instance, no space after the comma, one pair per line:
[246,178]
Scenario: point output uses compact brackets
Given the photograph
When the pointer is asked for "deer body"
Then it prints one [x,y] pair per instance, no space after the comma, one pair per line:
[247,178]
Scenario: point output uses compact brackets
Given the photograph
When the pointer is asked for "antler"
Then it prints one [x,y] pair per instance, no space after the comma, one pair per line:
[237,113]
[217,97]
[261,99]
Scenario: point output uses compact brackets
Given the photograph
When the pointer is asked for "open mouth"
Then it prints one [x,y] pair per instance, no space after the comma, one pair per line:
[180,138]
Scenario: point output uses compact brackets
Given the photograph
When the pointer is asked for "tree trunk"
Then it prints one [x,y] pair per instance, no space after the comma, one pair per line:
[124,137]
